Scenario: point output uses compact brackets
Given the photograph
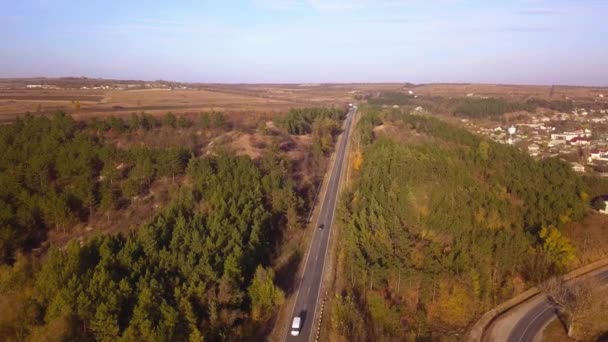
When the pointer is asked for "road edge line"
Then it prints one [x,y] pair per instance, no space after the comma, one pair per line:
[333,213]
[321,199]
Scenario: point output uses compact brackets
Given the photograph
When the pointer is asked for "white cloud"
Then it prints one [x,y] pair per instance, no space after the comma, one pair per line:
[341,5]
[164,26]
[539,12]
[323,5]
[337,5]
[281,5]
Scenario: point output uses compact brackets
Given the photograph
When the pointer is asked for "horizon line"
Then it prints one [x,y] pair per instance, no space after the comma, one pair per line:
[310,83]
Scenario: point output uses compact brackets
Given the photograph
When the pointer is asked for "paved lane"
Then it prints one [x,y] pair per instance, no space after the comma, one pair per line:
[310,285]
[536,319]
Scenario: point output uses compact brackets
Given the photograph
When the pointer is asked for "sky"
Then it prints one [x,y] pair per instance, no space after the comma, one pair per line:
[309,41]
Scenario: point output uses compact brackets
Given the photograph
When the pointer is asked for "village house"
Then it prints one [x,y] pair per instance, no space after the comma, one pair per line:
[533,149]
[598,155]
[578,167]
[580,141]
[568,136]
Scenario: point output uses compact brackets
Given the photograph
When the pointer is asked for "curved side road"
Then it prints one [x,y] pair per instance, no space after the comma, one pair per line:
[533,322]
[499,323]
[310,285]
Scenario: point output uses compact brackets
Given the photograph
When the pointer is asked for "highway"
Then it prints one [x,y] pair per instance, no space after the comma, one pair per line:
[531,324]
[310,285]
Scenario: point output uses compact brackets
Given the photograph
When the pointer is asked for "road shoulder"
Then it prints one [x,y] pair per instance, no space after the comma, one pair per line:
[283,320]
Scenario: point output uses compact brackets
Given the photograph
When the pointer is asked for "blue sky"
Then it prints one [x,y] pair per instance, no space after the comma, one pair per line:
[420,41]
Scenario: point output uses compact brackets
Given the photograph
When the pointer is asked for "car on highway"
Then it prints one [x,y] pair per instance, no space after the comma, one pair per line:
[321,226]
[295,326]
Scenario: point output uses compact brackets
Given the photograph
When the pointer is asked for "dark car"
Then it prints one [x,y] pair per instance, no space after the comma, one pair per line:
[321,226]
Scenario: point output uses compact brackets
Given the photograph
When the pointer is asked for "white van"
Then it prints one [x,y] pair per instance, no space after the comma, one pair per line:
[295,326]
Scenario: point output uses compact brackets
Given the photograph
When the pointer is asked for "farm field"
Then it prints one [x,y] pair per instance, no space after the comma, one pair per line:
[16,99]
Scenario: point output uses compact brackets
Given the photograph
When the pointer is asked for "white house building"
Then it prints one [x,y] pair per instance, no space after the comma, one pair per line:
[578,167]
[598,155]
[580,141]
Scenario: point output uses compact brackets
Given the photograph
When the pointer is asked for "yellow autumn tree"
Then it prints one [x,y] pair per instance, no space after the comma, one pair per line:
[265,295]
[453,305]
[357,159]
[557,247]
[484,150]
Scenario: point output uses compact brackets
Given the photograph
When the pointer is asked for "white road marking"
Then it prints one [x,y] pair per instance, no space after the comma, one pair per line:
[331,220]
[532,321]
[325,199]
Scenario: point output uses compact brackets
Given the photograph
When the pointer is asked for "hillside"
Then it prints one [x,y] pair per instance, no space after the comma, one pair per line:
[441,225]
[153,229]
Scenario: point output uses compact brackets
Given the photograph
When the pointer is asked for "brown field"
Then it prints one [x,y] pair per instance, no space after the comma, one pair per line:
[267,98]
[93,103]
[512,91]
[590,236]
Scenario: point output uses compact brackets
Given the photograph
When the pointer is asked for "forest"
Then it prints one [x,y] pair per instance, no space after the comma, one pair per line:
[301,121]
[472,107]
[455,225]
[53,173]
[198,270]
[490,107]
[565,106]
[390,98]
[322,123]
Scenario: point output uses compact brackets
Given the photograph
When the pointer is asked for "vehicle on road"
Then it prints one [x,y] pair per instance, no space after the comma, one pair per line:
[295,326]
[308,291]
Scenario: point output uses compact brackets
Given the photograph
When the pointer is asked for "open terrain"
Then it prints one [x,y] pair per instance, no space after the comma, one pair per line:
[226,188]
[132,158]
[85,98]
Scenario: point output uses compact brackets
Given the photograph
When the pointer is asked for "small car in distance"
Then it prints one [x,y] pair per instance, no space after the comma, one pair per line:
[321,225]
[295,326]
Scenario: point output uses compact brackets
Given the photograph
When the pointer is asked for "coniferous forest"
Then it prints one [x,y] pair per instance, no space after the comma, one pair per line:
[199,269]
[454,225]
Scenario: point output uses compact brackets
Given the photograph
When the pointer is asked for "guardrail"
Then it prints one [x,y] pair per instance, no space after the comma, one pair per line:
[320,317]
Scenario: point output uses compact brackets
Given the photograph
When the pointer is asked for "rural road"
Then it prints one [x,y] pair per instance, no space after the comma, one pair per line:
[530,325]
[310,285]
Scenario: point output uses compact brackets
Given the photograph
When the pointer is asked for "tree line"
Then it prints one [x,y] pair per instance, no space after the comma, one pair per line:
[390,98]
[489,107]
[147,121]
[300,121]
[496,107]
[472,107]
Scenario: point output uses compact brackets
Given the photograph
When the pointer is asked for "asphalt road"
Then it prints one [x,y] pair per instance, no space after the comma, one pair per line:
[536,319]
[310,285]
